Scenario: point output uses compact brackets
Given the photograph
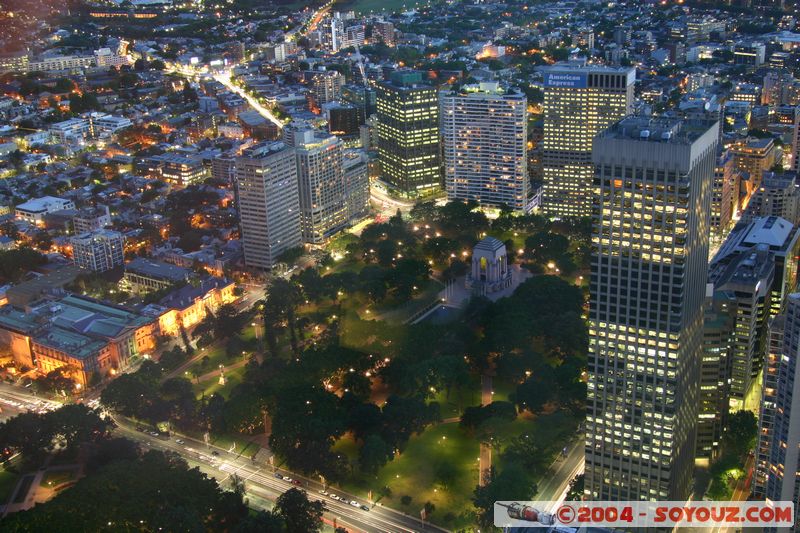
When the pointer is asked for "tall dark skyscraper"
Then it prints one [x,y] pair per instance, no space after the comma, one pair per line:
[408,134]
[651,198]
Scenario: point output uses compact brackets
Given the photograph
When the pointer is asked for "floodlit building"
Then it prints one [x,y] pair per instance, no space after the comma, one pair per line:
[652,196]
[408,134]
[269,202]
[579,102]
[489,270]
[484,135]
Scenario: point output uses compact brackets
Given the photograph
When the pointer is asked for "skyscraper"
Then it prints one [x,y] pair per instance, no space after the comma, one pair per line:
[408,134]
[484,133]
[652,193]
[325,192]
[269,202]
[779,425]
[579,101]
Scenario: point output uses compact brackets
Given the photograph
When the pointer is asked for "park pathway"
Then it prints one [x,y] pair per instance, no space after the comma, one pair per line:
[485,463]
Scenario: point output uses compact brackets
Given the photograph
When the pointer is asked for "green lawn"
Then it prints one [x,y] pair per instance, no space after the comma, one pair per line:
[440,466]
[8,480]
[54,478]
[365,6]
[459,399]
[397,314]
[206,388]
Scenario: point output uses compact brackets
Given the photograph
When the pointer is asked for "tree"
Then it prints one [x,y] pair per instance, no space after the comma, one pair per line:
[546,246]
[375,453]
[128,395]
[512,483]
[299,514]
[164,494]
[536,391]
[740,433]
[15,263]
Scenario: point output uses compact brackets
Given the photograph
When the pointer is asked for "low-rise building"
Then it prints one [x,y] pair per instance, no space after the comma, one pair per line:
[34,211]
[144,275]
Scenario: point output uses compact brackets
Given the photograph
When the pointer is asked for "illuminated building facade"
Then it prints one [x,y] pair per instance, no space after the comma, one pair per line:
[724,195]
[579,101]
[269,202]
[484,132]
[778,460]
[754,156]
[652,195]
[323,200]
[408,134]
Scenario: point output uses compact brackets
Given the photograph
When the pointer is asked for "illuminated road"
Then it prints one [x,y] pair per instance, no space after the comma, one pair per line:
[225,79]
[556,481]
[260,481]
[261,485]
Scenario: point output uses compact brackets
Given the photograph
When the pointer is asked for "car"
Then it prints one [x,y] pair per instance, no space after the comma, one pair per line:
[279,476]
[333,496]
[365,507]
[296,482]
[214,452]
[355,503]
[323,492]
[180,441]
[154,433]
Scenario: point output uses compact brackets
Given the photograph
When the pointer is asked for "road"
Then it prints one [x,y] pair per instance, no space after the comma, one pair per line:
[261,485]
[385,204]
[261,481]
[225,79]
[556,481]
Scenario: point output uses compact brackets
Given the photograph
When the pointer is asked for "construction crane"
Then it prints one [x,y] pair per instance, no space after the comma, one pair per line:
[361,65]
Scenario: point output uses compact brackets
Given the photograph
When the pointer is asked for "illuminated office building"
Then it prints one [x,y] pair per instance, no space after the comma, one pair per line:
[579,101]
[651,209]
[408,134]
[484,133]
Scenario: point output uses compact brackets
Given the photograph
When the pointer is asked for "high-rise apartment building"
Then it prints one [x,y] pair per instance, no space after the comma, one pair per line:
[484,133]
[748,280]
[324,194]
[269,202]
[579,101]
[326,87]
[384,32]
[719,319]
[98,250]
[778,460]
[754,156]
[408,134]
[783,240]
[652,196]
[724,195]
[778,196]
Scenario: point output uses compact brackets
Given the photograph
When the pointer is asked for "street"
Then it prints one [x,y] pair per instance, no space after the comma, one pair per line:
[560,473]
[260,482]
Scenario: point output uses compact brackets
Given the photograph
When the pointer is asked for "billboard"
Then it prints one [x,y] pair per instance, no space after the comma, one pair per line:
[573,80]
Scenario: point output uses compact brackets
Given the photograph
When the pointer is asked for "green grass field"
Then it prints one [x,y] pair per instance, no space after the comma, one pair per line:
[208,387]
[365,6]
[440,466]
[8,480]
[54,478]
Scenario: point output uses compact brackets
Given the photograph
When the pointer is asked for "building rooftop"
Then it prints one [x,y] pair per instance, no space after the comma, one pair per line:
[41,204]
[490,244]
[657,130]
[777,233]
[157,269]
[185,296]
